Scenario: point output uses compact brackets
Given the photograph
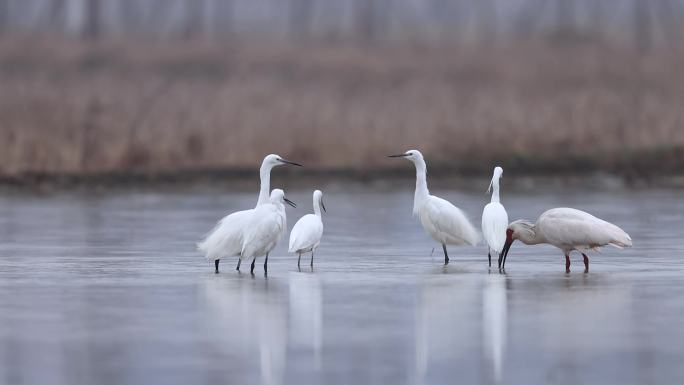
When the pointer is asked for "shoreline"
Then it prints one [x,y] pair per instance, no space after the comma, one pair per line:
[242,179]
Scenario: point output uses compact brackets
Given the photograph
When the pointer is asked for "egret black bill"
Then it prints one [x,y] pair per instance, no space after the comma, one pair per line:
[289,162]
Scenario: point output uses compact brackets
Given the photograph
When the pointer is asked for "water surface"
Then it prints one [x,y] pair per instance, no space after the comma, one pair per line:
[107,288]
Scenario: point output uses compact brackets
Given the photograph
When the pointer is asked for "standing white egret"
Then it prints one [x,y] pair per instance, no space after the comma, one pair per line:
[494,218]
[225,240]
[307,232]
[264,229]
[567,229]
[445,222]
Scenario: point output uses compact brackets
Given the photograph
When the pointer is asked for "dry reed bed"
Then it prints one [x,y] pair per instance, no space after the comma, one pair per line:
[67,107]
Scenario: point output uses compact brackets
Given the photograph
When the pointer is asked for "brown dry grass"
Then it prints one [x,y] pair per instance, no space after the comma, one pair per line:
[67,107]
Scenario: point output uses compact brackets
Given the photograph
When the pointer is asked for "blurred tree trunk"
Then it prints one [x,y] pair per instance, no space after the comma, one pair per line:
[598,19]
[528,18]
[486,15]
[365,19]
[129,15]
[301,18]
[224,11]
[194,18]
[92,28]
[4,16]
[642,25]
[565,17]
[56,14]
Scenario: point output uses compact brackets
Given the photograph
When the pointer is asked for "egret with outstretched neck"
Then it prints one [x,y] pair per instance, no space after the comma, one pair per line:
[567,229]
[225,240]
[445,223]
[265,227]
[494,219]
[307,232]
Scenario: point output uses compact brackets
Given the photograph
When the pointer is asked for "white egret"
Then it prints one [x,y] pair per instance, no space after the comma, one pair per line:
[307,232]
[264,229]
[494,219]
[445,222]
[225,240]
[567,229]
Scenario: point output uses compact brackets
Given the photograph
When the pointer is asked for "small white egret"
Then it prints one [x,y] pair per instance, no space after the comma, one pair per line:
[265,228]
[445,222]
[567,229]
[494,219]
[307,232]
[225,240]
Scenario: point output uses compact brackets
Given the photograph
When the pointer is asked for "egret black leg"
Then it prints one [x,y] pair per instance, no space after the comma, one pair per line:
[567,263]
[238,266]
[586,263]
[446,256]
[216,263]
[312,253]
[266,265]
[299,260]
[251,270]
[489,255]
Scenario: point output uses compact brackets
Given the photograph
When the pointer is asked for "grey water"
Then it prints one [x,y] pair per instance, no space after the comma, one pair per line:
[107,288]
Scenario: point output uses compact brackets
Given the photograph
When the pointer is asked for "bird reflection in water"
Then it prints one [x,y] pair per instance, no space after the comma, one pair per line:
[495,317]
[247,318]
[306,314]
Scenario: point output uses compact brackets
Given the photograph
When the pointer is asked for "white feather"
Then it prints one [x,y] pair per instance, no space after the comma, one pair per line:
[494,224]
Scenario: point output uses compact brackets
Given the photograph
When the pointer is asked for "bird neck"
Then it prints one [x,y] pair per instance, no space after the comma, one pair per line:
[532,236]
[495,190]
[317,207]
[422,191]
[265,189]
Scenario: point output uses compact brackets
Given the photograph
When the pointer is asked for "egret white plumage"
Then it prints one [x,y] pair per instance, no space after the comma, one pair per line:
[567,229]
[225,240]
[264,229]
[306,234]
[494,219]
[446,223]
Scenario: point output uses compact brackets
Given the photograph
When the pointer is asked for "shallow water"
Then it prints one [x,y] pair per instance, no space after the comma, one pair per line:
[107,288]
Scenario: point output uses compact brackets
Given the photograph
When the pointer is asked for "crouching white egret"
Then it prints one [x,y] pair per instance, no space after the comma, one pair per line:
[307,232]
[494,219]
[445,222]
[264,229]
[567,229]
[225,240]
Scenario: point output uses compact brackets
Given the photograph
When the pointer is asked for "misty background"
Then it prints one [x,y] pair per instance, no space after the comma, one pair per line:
[173,86]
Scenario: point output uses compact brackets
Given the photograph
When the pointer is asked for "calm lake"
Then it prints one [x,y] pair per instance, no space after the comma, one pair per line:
[107,288]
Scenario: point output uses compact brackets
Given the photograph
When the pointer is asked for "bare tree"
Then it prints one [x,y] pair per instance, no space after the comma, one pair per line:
[565,16]
[486,15]
[365,19]
[301,17]
[224,17]
[92,19]
[194,18]
[642,25]
[4,16]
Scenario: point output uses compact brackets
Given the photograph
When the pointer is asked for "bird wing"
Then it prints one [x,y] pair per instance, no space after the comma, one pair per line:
[566,227]
[494,225]
[306,233]
[447,223]
[225,239]
[263,232]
